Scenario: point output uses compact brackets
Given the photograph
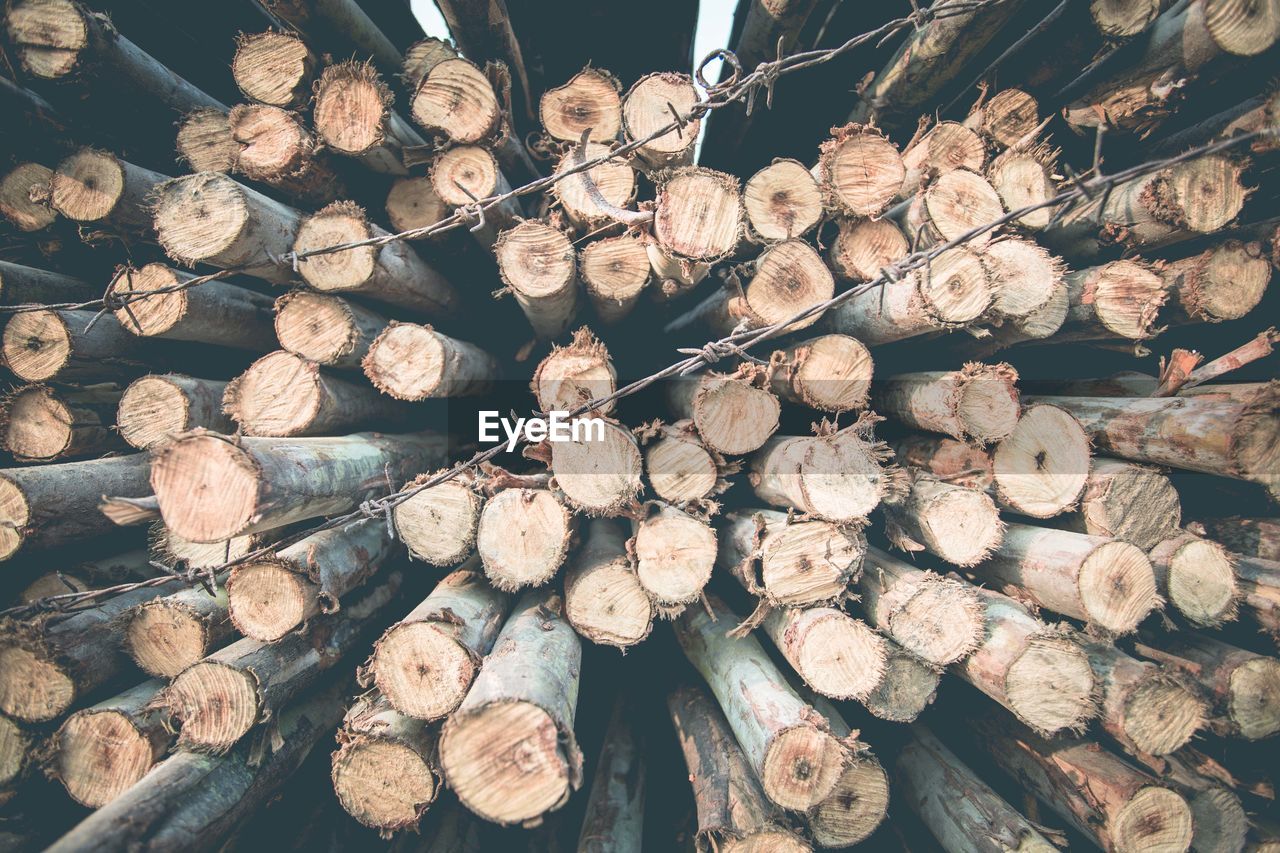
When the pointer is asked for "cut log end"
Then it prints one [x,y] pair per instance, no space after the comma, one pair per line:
[609,605]
[271,143]
[646,109]
[1011,114]
[1026,277]
[216,704]
[38,424]
[831,373]
[334,225]
[1117,586]
[320,328]
[1162,715]
[733,416]
[1153,819]
[615,180]
[1205,194]
[590,100]
[863,247]
[1046,660]
[1198,579]
[811,562]
[465,173]
[989,406]
[455,99]
[680,470]
[279,395]
[223,480]
[675,554]
[573,375]
[1255,698]
[523,537]
[860,172]
[88,185]
[37,344]
[49,36]
[1224,283]
[1122,19]
[156,313]
[33,688]
[422,669]
[15,746]
[957,202]
[841,479]
[152,410]
[598,473]
[957,288]
[273,68]
[101,753]
[782,201]
[164,639]
[855,808]
[801,767]
[351,108]
[15,197]
[536,260]
[1124,296]
[789,277]
[382,782]
[962,526]
[204,141]
[1131,503]
[1242,28]
[438,524]
[1023,179]
[767,841]
[906,689]
[199,216]
[699,214]
[15,512]
[413,202]
[408,362]
[614,271]
[268,598]
[1042,467]
[840,657]
[942,621]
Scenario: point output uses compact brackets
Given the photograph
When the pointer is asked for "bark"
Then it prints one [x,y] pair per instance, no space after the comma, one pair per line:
[599,471]
[1105,582]
[1110,802]
[785,279]
[53,345]
[329,330]
[204,141]
[43,424]
[859,171]
[273,147]
[1197,577]
[1144,708]
[978,403]
[863,247]
[455,101]
[732,809]
[49,665]
[167,634]
[282,394]
[840,477]
[216,312]
[100,752]
[682,470]
[673,554]
[274,594]
[782,202]
[614,818]
[221,698]
[339,27]
[1038,672]
[438,524]
[209,218]
[16,202]
[860,800]
[604,599]
[522,704]
[1006,118]
[50,505]
[1041,469]
[154,409]
[1116,300]
[99,187]
[1255,114]
[790,564]
[354,117]
[646,109]
[1243,687]
[615,181]
[275,68]
[796,757]
[464,174]
[384,772]
[1224,282]
[959,525]
[830,373]
[906,688]
[536,262]
[425,663]
[523,537]
[1253,537]
[263,483]
[22,285]
[699,215]
[1132,503]
[954,291]
[834,654]
[946,459]
[411,362]
[947,146]
[192,800]
[730,412]
[615,271]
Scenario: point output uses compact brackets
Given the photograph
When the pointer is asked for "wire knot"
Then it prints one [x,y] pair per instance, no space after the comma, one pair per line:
[729,58]
[712,352]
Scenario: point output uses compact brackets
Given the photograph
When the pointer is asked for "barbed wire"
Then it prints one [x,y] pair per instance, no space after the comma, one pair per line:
[735,344]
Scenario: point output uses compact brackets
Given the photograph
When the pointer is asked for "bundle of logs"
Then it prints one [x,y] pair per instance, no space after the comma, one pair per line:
[971,549]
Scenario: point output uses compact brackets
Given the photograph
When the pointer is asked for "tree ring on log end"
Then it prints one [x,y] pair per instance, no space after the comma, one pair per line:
[37,344]
[200,216]
[87,185]
[215,703]
[1042,467]
[164,639]
[801,767]
[1051,685]
[422,669]
[39,424]
[49,36]
[810,562]
[522,538]
[1153,819]
[268,598]
[257,401]
[675,554]
[33,689]
[841,657]
[1161,716]
[154,314]
[1255,698]
[1117,586]
[100,754]
[858,805]
[209,485]
[152,410]
[383,783]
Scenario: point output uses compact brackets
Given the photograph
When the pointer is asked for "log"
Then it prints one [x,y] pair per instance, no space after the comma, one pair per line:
[830,373]
[16,204]
[269,482]
[1187,42]
[1009,116]
[615,181]
[1132,503]
[486,33]
[275,68]
[411,362]
[425,664]
[954,291]
[573,375]
[1252,115]
[1197,577]
[863,247]
[615,271]
[329,330]
[22,285]
[681,469]
[1220,821]
[509,751]
[1259,582]
[455,101]
[833,653]
[1207,432]
[599,471]
[1040,673]
[699,215]
[49,665]
[604,599]
[838,477]
[384,772]
[614,818]
[195,795]
[1107,583]
[785,279]
[730,412]
[155,409]
[413,203]
[438,524]
[946,459]
[97,186]
[167,634]
[1041,469]
[782,201]
[16,746]
[462,175]
[91,574]
[353,116]
[960,810]
[209,218]
[392,273]
[536,262]
[673,554]
[50,505]
[860,800]
[733,812]
[422,56]
[282,394]
[167,546]
[274,148]
[646,109]
[590,100]
[676,276]
[1040,324]
[43,424]
[218,700]
[1224,282]
[53,345]
[215,312]
[271,595]
[343,27]
[1254,537]
[948,145]
[959,525]
[100,752]
[949,208]
[790,564]
[1026,279]
[978,403]
[1025,177]
[1243,687]
[1200,196]
[859,171]
[1110,802]
[1145,709]
[907,686]
[1120,299]
[204,141]
[523,537]
[939,619]
[796,757]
